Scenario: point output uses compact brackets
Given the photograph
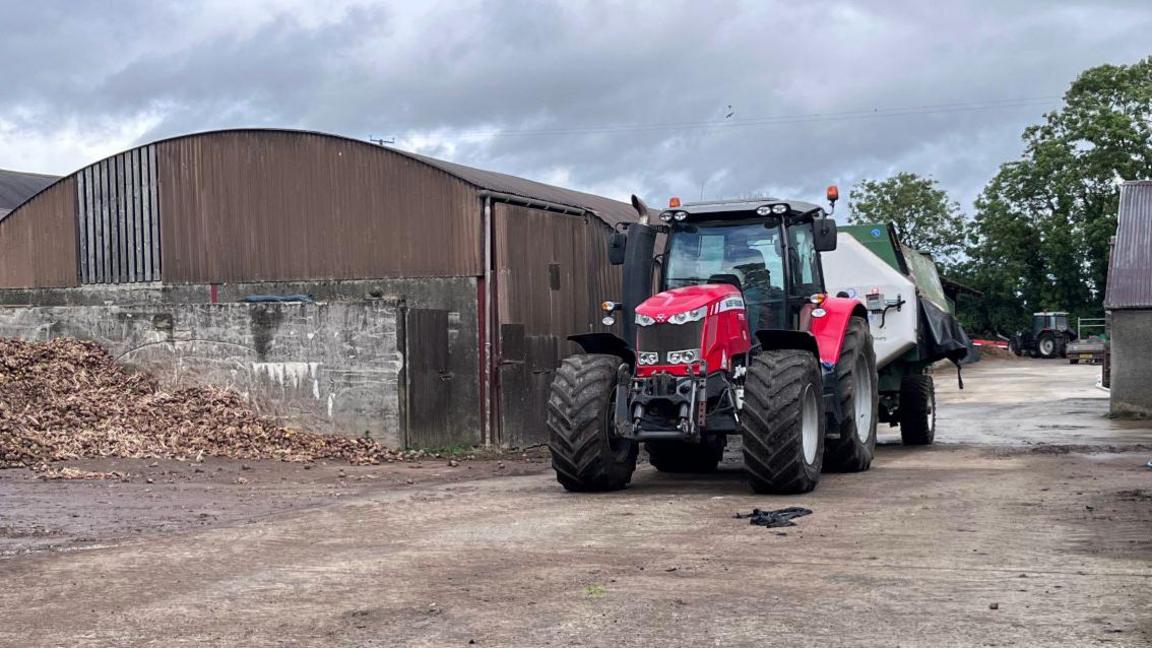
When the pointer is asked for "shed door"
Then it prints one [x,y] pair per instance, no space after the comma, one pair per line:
[552,272]
[428,379]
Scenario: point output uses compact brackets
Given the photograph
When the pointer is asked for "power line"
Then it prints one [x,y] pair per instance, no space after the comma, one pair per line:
[974,106]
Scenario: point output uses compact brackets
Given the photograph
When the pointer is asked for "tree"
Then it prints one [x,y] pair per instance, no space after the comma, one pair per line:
[1043,224]
[926,217]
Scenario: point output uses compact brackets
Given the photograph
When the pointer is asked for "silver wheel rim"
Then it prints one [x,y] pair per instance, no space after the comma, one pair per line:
[863,397]
[932,413]
[809,424]
[1046,347]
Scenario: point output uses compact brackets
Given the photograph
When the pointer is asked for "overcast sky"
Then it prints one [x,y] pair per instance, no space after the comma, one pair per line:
[665,98]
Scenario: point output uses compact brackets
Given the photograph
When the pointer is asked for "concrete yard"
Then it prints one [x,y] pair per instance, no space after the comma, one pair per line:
[1028,524]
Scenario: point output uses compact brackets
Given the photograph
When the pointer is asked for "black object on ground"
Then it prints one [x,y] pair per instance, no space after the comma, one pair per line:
[778,518]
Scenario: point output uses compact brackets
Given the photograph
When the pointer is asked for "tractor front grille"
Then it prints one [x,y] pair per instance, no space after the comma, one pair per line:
[662,338]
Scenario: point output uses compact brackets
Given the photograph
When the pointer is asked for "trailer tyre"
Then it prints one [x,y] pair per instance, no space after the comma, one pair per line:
[585,454]
[682,457]
[859,402]
[783,422]
[917,410]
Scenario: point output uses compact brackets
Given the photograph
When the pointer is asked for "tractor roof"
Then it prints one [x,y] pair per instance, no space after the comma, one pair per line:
[717,206]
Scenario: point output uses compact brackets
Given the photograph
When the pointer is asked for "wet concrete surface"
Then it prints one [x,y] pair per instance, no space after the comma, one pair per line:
[1009,532]
[1028,402]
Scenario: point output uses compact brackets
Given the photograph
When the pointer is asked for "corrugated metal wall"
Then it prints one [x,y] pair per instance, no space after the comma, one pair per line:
[552,272]
[38,240]
[257,206]
[117,219]
[1130,271]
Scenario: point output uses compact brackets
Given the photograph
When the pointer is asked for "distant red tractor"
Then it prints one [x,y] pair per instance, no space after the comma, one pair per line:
[741,340]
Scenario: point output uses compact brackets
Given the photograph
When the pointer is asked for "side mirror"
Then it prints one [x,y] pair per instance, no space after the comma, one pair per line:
[824,234]
[616,244]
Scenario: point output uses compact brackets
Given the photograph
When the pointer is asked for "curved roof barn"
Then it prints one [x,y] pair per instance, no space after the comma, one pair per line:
[266,205]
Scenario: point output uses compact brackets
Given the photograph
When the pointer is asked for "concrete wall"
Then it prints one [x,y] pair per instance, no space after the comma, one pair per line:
[1131,340]
[334,366]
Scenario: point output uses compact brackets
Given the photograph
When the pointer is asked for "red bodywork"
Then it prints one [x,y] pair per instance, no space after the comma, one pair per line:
[725,325]
[830,328]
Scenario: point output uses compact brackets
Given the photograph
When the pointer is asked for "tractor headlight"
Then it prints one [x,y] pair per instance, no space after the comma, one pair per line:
[763,210]
[648,357]
[680,215]
[687,356]
[644,320]
[694,315]
[779,209]
[666,216]
[608,320]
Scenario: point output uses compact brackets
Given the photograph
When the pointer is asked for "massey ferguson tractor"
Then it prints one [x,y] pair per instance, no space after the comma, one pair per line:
[740,339]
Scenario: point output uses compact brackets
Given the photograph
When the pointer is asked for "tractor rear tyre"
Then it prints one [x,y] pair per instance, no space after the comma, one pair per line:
[783,422]
[682,457]
[1047,346]
[586,455]
[917,410]
[859,402]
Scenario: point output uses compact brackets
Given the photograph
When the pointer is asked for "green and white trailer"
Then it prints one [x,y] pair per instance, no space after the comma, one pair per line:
[912,321]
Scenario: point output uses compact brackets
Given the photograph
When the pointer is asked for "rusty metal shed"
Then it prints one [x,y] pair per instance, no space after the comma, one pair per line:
[216,215]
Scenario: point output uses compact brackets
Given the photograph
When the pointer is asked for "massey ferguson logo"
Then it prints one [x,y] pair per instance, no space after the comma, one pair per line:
[661,317]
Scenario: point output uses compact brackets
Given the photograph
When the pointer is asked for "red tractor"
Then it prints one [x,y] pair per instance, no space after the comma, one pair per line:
[741,339]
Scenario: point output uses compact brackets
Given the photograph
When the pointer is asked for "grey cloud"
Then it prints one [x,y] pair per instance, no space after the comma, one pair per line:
[459,68]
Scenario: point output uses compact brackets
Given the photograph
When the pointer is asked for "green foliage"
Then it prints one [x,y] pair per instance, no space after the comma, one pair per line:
[595,591]
[1041,235]
[926,217]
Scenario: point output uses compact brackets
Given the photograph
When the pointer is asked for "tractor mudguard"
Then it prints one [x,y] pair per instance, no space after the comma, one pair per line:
[606,343]
[787,339]
[830,328]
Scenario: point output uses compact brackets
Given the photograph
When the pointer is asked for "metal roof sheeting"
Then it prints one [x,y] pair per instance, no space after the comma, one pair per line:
[611,211]
[1130,271]
[18,186]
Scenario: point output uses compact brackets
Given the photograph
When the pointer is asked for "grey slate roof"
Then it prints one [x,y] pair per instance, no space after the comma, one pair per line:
[611,211]
[18,186]
[1130,270]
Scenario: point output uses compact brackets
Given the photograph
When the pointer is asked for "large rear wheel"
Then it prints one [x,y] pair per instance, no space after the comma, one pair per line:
[586,454]
[1047,345]
[783,422]
[859,402]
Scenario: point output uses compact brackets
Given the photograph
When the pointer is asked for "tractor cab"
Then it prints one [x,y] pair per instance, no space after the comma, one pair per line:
[768,249]
[1052,321]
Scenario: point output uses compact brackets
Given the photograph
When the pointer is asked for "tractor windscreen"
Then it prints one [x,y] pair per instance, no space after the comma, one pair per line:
[749,255]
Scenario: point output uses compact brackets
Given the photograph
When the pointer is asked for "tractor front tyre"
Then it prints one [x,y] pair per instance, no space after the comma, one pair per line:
[859,402]
[682,457]
[917,410]
[1015,346]
[586,454]
[1047,346]
[783,422]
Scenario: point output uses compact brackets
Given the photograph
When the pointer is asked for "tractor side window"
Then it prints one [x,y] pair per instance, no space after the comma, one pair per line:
[805,261]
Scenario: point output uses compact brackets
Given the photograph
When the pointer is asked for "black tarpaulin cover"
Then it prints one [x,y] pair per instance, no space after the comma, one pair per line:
[944,339]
